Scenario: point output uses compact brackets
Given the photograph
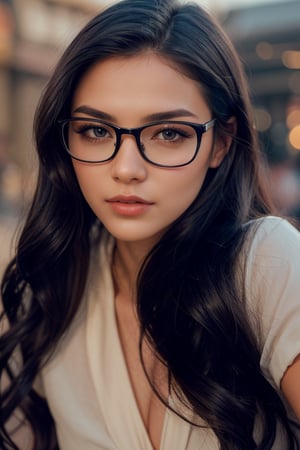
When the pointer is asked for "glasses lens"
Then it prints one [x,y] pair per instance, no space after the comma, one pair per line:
[89,141]
[169,144]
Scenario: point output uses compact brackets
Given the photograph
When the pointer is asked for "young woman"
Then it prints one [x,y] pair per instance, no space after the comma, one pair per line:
[153,302]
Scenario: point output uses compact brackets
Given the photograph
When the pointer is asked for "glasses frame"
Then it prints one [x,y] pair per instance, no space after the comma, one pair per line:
[199,128]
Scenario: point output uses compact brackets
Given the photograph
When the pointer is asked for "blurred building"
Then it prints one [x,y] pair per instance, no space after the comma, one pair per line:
[34,32]
[268,39]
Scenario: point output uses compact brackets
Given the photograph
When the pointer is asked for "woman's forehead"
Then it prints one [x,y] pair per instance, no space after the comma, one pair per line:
[145,81]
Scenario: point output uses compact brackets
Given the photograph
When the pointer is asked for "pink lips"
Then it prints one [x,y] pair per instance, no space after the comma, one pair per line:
[130,205]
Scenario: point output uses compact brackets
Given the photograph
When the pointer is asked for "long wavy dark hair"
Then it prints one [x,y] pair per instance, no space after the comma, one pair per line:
[190,295]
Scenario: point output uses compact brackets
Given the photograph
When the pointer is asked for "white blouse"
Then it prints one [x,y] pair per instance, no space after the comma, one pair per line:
[87,384]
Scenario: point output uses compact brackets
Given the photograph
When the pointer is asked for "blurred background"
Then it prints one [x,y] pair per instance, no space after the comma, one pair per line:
[33,34]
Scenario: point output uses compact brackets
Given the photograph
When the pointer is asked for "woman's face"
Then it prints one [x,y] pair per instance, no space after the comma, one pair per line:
[135,200]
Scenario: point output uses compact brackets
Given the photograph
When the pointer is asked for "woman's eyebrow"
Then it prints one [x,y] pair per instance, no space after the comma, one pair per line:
[167,115]
[162,115]
[95,113]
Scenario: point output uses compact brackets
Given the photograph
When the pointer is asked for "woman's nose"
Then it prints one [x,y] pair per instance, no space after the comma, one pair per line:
[128,165]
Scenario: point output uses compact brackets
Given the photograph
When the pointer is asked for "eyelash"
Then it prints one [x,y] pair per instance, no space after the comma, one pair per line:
[180,133]
[83,129]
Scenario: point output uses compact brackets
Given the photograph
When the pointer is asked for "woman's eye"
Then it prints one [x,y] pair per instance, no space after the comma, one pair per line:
[96,132]
[169,134]
[92,131]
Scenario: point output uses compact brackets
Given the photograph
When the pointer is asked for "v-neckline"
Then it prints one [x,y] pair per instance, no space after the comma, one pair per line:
[109,372]
[108,366]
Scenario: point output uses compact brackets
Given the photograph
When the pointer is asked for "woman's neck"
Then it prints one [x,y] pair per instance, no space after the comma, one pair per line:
[127,261]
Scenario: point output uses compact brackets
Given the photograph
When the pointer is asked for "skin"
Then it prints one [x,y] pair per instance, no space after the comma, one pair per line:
[290,385]
[130,91]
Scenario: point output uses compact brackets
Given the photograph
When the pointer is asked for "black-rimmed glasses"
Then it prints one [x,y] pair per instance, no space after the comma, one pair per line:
[163,143]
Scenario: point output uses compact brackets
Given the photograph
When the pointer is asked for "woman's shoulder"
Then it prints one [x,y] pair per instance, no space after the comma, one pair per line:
[272,256]
[272,285]
[272,236]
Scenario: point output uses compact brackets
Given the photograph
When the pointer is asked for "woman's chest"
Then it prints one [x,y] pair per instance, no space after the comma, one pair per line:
[90,395]
[146,373]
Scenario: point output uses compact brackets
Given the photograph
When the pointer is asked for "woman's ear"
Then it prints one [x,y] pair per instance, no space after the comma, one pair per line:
[222,143]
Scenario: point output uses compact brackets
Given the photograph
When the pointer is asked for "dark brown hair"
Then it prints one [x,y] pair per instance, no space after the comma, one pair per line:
[196,301]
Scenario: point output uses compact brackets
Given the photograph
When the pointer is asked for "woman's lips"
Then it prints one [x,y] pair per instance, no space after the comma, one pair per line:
[130,205]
